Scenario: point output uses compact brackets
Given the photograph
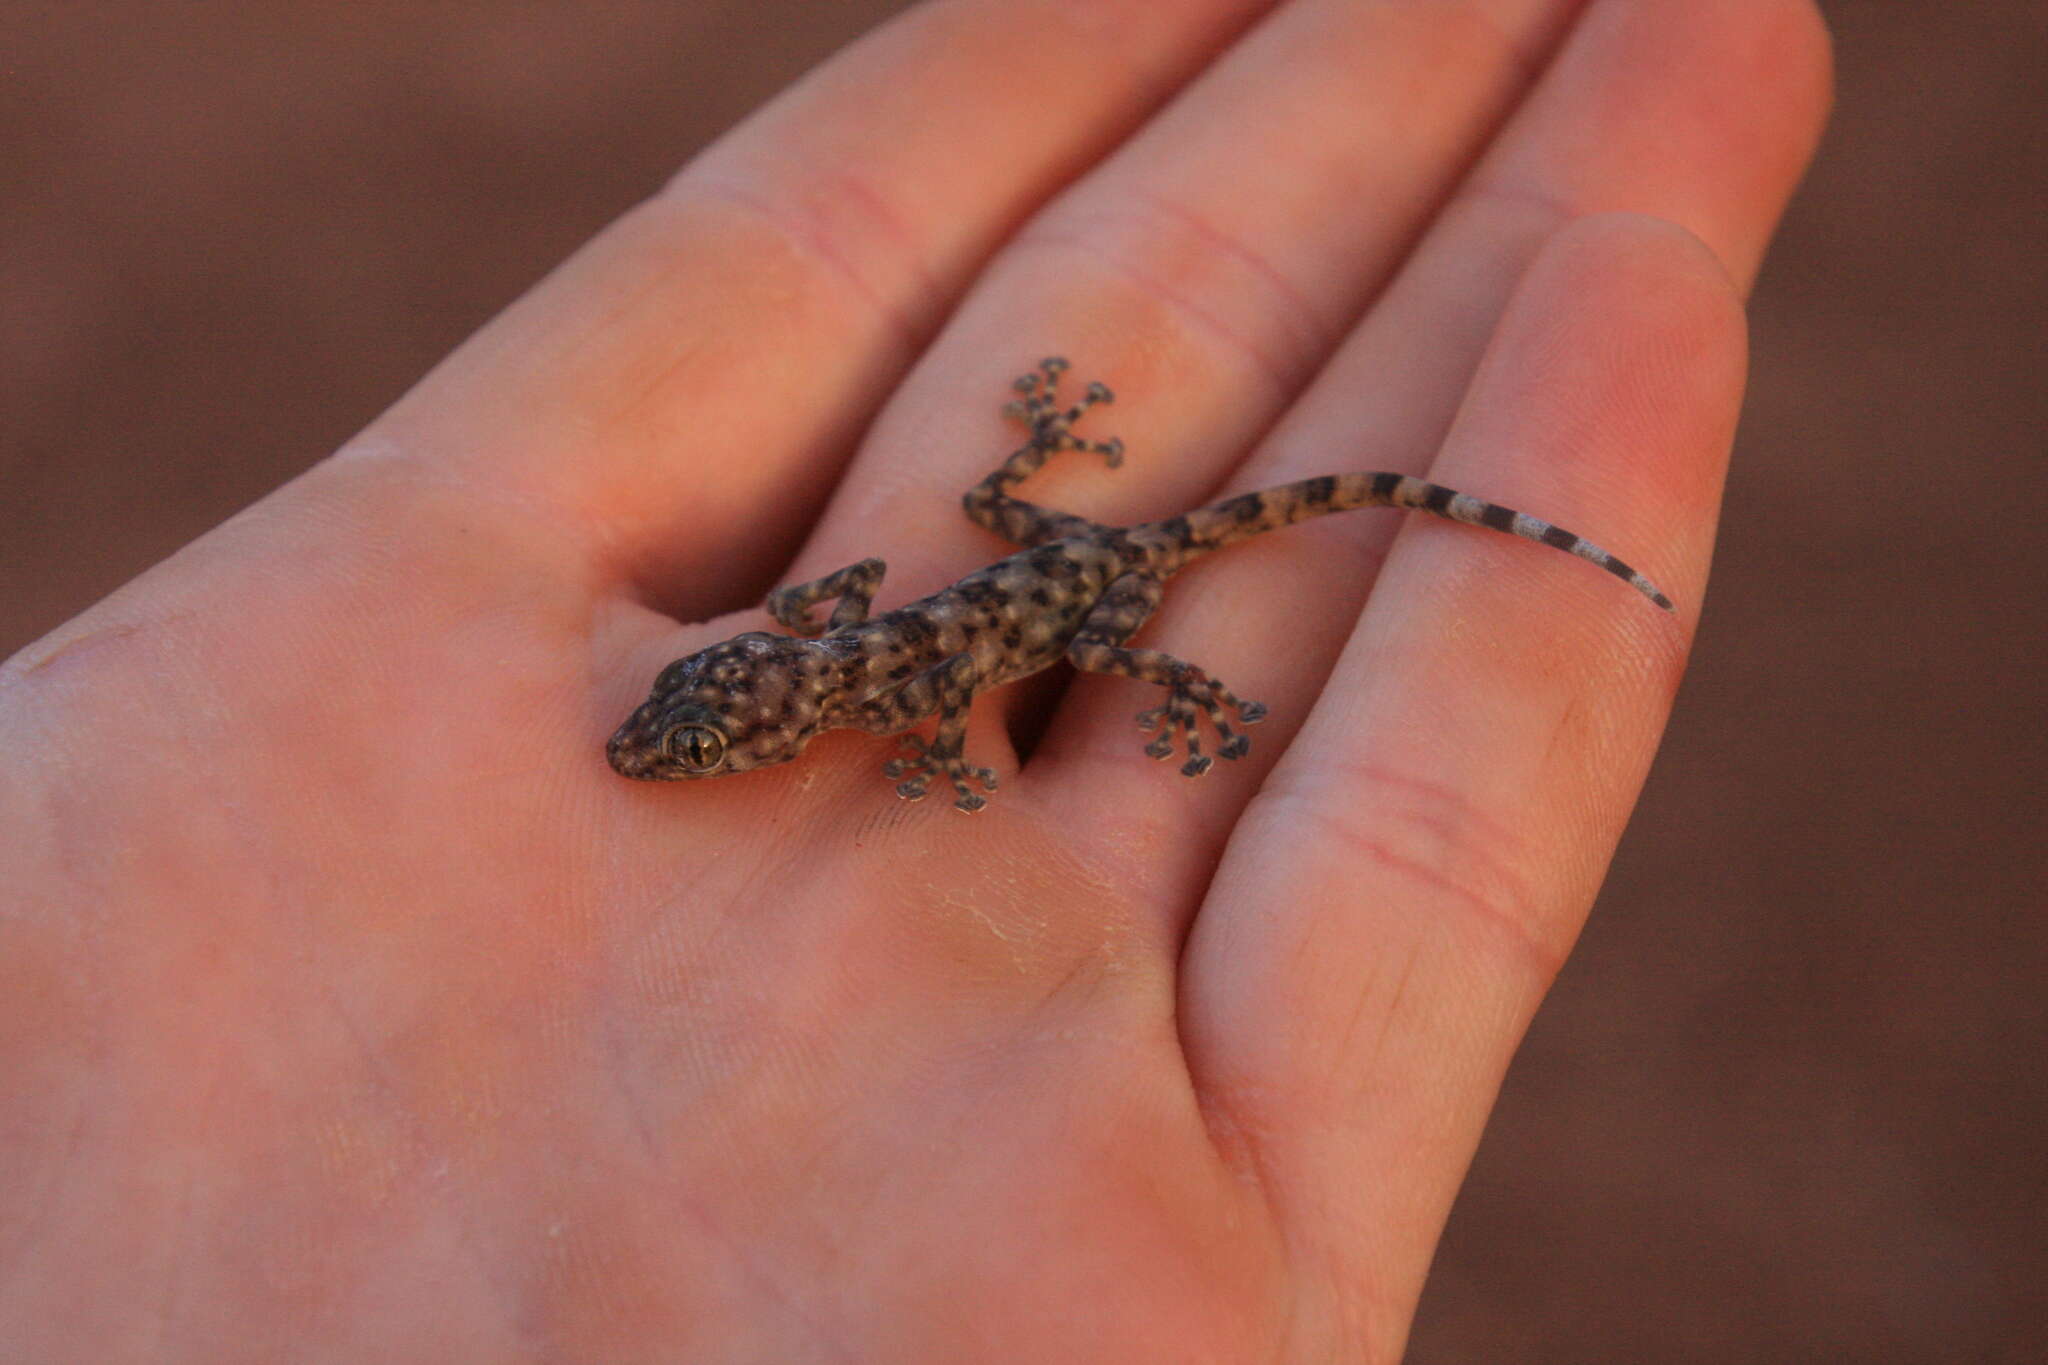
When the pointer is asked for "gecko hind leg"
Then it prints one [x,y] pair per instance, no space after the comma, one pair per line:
[1177,714]
[1190,693]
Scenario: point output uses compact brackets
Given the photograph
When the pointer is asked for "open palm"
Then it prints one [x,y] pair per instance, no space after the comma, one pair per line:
[352,1007]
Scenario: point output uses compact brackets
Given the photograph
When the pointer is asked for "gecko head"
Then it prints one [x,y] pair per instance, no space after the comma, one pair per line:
[749,702]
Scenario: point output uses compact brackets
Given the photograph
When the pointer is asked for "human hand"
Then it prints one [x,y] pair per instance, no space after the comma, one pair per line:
[351,1007]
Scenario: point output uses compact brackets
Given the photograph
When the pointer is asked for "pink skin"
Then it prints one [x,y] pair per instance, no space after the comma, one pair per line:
[352,1007]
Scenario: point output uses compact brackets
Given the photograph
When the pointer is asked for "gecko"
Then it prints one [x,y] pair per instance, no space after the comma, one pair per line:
[1077,590]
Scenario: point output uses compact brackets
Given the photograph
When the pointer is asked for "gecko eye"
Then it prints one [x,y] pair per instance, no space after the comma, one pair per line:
[697,747]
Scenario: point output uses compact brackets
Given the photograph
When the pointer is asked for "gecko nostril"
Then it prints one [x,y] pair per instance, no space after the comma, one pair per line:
[626,758]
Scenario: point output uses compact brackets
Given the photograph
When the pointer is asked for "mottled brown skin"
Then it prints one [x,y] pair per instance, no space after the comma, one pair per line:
[1078,591]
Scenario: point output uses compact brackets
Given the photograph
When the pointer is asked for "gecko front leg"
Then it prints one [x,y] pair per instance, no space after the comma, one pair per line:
[853,585]
[947,688]
[1098,648]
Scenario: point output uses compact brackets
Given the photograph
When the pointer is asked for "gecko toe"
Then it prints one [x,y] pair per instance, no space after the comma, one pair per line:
[1251,712]
[1196,766]
[1236,747]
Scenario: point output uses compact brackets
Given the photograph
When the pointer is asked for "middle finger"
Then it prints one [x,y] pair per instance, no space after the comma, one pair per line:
[1678,111]
[1221,251]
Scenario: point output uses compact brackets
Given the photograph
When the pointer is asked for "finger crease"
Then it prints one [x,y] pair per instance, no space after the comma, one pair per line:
[819,225]
[1482,884]
[1079,236]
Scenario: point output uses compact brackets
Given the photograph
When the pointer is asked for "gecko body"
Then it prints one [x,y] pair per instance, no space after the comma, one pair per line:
[1078,590]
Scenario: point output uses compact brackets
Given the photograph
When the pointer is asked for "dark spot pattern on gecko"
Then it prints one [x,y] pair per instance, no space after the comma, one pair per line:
[1078,590]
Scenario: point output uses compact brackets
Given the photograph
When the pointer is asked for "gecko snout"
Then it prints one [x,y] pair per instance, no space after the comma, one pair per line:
[630,755]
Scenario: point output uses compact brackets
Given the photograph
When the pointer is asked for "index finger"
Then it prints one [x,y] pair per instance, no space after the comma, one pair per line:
[682,390]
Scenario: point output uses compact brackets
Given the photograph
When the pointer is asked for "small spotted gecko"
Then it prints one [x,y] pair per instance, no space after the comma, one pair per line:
[1078,590]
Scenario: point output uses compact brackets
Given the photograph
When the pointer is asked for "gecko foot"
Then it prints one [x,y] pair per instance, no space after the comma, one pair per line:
[923,760]
[1177,716]
[1051,425]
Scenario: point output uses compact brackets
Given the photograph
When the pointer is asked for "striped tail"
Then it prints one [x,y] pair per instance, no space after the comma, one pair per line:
[1239,518]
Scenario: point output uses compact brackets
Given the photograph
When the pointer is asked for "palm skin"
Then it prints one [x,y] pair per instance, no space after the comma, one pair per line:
[351,1007]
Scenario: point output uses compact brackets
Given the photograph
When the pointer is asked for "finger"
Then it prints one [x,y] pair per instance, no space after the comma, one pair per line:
[1398,897]
[679,391]
[1219,253]
[1226,246]
[1638,89]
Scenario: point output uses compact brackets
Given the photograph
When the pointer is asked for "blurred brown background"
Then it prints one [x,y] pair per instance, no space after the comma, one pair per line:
[1787,1102]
